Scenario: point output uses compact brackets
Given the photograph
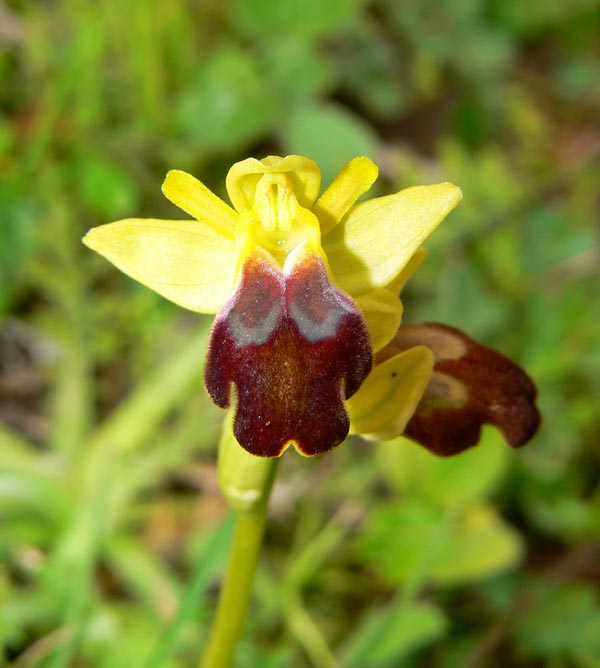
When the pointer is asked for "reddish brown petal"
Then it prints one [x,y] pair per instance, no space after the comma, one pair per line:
[294,347]
[471,385]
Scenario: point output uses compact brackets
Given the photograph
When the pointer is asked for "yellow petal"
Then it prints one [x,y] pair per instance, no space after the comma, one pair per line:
[185,261]
[382,311]
[389,396]
[304,174]
[354,180]
[375,241]
[193,197]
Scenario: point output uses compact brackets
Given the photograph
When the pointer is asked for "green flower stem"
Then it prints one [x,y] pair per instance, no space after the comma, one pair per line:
[237,587]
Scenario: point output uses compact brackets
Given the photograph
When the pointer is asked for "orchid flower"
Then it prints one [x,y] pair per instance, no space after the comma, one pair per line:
[306,344]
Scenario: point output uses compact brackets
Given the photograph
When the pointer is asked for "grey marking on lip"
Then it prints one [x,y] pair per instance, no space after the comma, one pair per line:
[256,335]
[313,330]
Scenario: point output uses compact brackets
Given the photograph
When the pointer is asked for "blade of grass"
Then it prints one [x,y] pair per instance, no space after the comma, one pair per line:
[191,604]
[138,416]
[134,421]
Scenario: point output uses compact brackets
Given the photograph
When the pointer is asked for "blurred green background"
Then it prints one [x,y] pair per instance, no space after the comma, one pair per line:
[113,530]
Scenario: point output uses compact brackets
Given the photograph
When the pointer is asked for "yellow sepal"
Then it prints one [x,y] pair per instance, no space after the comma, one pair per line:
[185,261]
[382,311]
[354,180]
[376,240]
[193,197]
[387,399]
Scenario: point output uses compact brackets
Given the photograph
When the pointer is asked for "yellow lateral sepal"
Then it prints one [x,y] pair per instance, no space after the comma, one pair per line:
[376,240]
[185,261]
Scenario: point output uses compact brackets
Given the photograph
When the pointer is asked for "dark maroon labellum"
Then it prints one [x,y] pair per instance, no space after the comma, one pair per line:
[471,385]
[294,347]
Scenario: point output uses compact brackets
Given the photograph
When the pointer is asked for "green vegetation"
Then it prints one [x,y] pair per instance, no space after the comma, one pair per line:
[113,532]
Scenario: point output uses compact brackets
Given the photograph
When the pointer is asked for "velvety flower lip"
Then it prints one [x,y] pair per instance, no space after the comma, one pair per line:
[294,348]
[305,288]
[471,385]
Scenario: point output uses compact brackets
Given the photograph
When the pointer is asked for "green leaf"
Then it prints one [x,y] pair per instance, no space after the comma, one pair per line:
[562,622]
[17,451]
[297,70]
[25,491]
[479,544]
[143,574]
[454,480]
[192,605]
[384,636]
[105,187]
[415,541]
[17,240]
[23,609]
[265,18]
[138,416]
[230,103]
[116,635]
[401,540]
[370,71]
